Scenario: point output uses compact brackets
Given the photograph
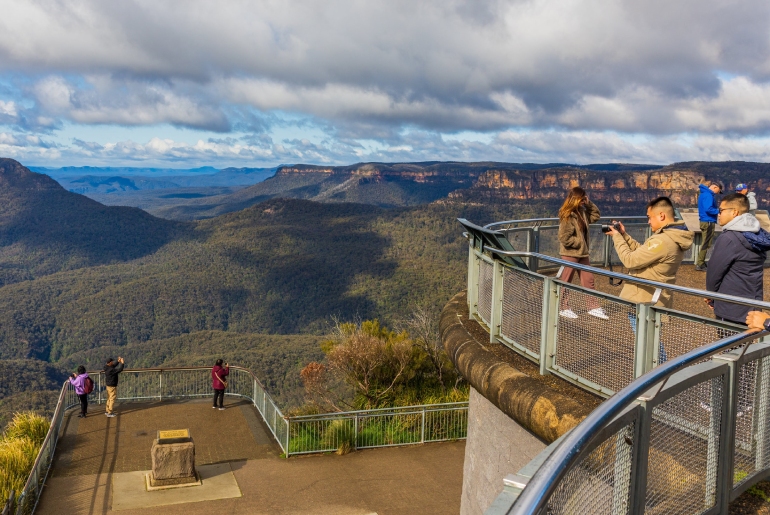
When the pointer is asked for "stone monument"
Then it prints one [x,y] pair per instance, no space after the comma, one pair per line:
[173,461]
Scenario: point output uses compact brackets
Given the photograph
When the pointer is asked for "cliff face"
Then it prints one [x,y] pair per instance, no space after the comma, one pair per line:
[505,182]
[681,185]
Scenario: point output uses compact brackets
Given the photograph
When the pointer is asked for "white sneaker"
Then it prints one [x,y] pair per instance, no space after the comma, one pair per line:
[221,409]
[567,313]
[599,313]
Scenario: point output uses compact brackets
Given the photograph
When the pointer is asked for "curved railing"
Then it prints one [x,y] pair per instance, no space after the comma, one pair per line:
[673,439]
[520,307]
[687,437]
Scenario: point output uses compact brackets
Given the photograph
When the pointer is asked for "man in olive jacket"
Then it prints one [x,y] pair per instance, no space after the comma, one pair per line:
[111,371]
[657,259]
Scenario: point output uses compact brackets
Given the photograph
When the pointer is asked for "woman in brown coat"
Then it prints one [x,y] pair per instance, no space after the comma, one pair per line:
[574,216]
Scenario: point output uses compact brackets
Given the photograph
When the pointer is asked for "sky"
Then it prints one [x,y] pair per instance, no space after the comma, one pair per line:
[190,83]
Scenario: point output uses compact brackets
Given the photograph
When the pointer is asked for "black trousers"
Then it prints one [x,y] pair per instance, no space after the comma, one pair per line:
[221,395]
[83,403]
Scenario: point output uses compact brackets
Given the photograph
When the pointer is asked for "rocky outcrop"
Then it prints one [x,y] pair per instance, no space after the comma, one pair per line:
[528,400]
[485,182]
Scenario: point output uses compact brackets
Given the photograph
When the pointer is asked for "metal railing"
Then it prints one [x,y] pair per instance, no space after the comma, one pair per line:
[683,434]
[522,309]
[384,427]
[295,435]
[688,437]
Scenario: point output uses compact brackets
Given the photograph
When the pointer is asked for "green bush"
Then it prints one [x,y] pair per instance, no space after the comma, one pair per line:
[19,447]
[28,425]
[340,434]
[303,440]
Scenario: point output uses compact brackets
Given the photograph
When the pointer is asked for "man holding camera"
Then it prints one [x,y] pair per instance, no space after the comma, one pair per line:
[657,259]
[111,371]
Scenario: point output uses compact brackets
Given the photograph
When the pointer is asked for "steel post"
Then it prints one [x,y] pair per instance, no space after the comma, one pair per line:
[548,325]
[496,309]
[642,337]
[639,472]
[762,410]
[422,434]
[723,482]
[473,285]
[536,246]
[471,279]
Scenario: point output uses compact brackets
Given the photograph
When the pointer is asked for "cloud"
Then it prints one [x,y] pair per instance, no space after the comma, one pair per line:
[103,100]
[608,72]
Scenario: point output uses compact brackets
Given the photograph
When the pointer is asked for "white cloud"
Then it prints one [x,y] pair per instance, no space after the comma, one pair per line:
[543,71]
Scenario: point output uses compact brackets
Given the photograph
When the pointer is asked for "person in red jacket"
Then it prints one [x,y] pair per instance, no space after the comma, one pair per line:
[219,383]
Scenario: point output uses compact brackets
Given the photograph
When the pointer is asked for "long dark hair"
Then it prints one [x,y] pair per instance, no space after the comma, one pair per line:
[572,203]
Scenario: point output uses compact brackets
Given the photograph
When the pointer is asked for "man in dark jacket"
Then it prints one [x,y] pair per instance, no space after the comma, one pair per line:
[736,264]
[111,371]
[707,214]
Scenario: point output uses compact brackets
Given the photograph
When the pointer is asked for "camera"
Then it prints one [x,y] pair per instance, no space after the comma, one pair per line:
[607,227]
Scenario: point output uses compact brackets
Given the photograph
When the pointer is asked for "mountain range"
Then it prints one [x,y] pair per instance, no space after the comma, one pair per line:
[259,276]
[391,185]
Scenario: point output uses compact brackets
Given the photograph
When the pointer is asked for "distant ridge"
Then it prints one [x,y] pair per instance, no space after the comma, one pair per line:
[45,229]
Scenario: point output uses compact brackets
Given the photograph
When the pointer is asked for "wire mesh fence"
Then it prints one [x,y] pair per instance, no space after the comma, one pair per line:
[601,481]
[377,428]
[522,310]
[486,270]
[682,462]
[679,333]
[599,347]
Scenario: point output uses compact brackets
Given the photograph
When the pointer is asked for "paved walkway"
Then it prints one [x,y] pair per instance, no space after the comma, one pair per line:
[416,479]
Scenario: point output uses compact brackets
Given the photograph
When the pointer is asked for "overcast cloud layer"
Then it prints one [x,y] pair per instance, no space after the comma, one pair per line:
[261,83]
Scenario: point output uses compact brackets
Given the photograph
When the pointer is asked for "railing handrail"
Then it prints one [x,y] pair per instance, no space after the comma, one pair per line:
[537,492]
[434,407]
[177,369]
[647,282]
[526,220]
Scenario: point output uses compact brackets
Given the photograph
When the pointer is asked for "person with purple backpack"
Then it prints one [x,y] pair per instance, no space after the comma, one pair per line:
[83,386]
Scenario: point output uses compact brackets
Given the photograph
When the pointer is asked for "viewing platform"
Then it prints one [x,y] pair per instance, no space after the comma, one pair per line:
[645,409]
[98,460]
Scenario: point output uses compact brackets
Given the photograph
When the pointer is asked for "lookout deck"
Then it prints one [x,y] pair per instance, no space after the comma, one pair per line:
[94,452]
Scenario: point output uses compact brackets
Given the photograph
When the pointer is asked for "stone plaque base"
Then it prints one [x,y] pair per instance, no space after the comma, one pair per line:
[173,460]
[153,484]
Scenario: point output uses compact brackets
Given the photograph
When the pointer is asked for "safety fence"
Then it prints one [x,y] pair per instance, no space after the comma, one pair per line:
[688,427]
[378,428]
[295,435]
[687,438]
[596,340]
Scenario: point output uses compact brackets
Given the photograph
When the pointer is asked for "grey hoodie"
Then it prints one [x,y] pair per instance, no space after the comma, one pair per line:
[752,201]
[743,223]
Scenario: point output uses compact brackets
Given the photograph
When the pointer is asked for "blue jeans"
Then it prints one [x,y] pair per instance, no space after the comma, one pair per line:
[662,358]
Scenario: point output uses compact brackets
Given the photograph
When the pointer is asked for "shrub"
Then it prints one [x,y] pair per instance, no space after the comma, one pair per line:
[28,425]
[19,447]
[340,434]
